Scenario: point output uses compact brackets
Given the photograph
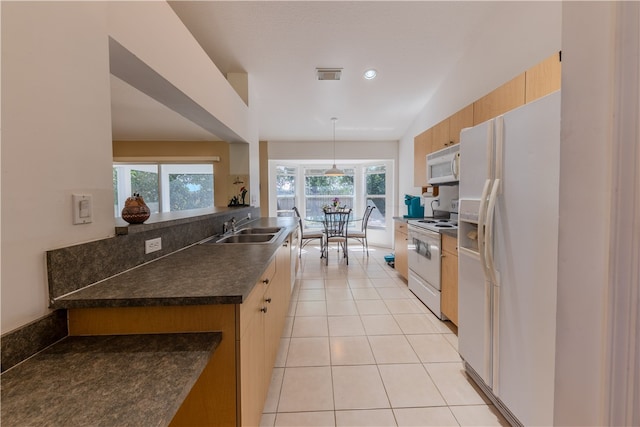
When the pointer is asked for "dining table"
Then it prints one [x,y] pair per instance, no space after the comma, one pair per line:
[317,222]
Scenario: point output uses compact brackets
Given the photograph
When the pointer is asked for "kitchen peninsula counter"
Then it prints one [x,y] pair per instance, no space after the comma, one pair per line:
[240,291]
[106,380]
[200,274]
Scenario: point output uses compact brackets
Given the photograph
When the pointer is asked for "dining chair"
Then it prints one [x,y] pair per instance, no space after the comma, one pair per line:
[336,226]
[308,236]
[361,235]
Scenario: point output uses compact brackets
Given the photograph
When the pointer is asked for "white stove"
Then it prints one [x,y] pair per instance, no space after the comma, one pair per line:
[424,253]
[434,224]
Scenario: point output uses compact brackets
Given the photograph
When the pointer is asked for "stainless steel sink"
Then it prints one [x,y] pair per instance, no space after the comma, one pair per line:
[259,230]
[248,238]
[249,235]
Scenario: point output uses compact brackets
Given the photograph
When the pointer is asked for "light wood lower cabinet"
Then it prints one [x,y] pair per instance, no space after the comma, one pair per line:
[264,313]
[449,297]
[234,384]
[401,249]
[255,327]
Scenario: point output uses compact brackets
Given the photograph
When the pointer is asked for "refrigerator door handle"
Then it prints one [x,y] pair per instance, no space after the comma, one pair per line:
[489,237]
[499,131]
[481,227]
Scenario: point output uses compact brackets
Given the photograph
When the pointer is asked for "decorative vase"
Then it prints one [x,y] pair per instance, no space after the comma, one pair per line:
[135,210]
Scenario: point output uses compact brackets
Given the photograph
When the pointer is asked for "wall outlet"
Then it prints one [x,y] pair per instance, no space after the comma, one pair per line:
[152,245]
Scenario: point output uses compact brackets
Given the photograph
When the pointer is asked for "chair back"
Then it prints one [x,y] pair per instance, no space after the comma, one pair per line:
[336,223]
[365,218]
[297,214]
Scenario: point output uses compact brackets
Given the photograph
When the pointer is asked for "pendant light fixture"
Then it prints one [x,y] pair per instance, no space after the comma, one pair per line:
[334,171]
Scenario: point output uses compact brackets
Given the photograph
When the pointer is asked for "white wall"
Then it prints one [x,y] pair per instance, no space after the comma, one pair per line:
[153,33]
[585,200]
[323,150]
[521,35]
[56,124]
[345,151]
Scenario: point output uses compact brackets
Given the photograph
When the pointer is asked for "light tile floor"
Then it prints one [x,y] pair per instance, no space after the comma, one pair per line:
[359,349]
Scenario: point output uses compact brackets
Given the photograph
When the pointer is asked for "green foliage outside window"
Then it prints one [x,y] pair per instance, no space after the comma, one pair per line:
[145,184]
[329,185]
[190,191]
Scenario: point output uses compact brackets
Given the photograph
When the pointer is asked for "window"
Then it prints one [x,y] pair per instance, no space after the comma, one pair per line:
[376,194]
[303,184]
[164,187]
[320,190]
[285,190]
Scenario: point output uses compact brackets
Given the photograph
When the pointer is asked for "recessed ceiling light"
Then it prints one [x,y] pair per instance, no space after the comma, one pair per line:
[370,74]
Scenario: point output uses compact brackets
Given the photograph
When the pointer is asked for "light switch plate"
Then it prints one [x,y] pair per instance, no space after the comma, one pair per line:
[82,208]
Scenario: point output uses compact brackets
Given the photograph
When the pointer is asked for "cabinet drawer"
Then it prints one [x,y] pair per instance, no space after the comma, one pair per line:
[255,301]
[401,227]
[449,244]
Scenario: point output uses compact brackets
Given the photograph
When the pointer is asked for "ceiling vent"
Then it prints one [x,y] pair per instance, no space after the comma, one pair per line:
[328,73]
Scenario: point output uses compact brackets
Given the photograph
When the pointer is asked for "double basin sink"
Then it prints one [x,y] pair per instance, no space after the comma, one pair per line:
[255,235]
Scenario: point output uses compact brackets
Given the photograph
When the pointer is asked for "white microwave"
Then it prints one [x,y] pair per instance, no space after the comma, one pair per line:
[443,166]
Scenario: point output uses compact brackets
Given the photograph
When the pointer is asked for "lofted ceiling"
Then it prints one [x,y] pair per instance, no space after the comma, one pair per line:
[413,45]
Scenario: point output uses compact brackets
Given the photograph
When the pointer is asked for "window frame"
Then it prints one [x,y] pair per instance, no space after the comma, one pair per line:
[163,181]
[382,234]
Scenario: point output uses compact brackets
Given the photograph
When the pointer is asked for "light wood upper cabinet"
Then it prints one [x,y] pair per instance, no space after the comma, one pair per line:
[460,120]
[441,136]
[536,82]
[543,78]
[505,98]
[421,147]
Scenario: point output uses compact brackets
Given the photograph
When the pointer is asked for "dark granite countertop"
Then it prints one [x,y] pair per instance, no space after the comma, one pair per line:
[123,380]
[198,274]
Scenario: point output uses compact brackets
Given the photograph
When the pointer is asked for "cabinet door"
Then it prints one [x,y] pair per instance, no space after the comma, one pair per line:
[460,120]
[505,98]
[449,300]
[252,340]
[543,78]
[401,252]
[441,136]
[421,147]
[272,304]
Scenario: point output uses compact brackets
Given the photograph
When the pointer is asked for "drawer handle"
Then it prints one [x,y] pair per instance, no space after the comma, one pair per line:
[265,281]
[268,300]
[263,309]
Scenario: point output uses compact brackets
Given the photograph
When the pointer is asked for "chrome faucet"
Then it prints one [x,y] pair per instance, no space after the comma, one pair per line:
[230,226]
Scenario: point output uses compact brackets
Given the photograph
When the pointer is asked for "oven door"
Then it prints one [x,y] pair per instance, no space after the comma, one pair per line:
[424,255]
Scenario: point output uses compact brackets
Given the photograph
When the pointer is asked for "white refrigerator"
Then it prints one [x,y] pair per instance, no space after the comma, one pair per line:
[508,257]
